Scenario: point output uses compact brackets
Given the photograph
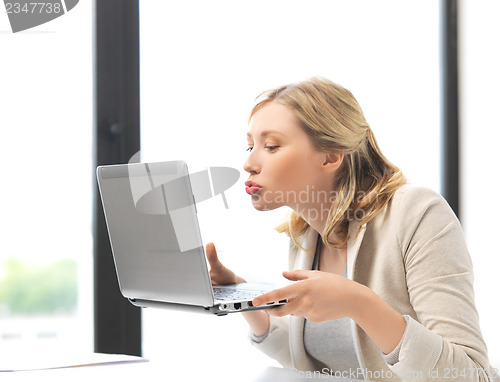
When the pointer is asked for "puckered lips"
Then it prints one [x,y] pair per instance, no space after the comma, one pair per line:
[251,187]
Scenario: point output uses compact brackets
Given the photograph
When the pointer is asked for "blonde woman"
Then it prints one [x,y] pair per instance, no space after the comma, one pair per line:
[384,285]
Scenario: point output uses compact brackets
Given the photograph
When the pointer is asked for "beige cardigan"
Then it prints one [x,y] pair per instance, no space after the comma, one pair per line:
[413,255]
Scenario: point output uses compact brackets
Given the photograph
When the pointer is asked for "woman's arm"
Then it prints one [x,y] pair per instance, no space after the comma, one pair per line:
[445,333]
[383,324]
[258,320]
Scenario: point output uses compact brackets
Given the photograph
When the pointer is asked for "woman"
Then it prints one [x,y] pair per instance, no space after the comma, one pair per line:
[386,283]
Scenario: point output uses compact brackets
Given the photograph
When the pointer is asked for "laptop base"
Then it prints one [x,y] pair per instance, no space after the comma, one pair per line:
[218,309]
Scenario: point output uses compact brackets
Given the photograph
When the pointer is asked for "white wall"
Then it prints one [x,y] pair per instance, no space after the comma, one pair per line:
[480,136]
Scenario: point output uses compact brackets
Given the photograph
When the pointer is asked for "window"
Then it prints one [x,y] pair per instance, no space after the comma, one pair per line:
[46,246]
[202,65]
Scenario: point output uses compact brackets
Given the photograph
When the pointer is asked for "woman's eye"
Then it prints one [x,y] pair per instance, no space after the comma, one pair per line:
[271,148]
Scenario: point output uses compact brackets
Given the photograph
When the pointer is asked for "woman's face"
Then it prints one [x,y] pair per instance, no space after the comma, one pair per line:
[284,168]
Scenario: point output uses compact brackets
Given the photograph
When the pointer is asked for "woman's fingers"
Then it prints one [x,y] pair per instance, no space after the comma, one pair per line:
[285,293]
[288,292]
[283,310]
[297,275]
[219,274]
[212,256]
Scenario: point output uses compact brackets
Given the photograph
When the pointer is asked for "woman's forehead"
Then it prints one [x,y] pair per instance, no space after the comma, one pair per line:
[272,118]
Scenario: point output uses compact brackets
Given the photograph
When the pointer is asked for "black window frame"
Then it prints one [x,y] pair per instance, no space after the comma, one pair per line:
[450,121]
[116,137]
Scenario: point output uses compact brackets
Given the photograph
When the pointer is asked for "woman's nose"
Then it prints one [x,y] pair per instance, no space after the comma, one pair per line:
[250,165]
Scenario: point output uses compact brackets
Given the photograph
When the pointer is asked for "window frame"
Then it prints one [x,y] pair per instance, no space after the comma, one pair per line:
[116,137]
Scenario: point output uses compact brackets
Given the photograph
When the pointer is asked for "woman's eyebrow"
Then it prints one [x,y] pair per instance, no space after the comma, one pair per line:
[265,133]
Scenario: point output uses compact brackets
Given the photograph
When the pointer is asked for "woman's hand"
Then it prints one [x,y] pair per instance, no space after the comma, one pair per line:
[317,296]
[219,274]
[321,296]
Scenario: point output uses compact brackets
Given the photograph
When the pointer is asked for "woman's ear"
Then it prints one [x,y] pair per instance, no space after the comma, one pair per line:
[333,161]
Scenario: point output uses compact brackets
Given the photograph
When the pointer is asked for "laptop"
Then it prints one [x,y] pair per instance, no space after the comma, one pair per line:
[159,257]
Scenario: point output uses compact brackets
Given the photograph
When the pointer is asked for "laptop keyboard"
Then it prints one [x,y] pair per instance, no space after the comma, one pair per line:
[226,294]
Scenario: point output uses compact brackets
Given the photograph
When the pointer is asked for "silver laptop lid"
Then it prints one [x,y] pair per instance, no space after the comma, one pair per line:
[154,232]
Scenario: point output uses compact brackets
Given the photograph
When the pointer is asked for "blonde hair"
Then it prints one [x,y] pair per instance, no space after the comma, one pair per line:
[334,121]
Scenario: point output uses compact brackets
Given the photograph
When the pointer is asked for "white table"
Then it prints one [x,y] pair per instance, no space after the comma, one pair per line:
[175,370]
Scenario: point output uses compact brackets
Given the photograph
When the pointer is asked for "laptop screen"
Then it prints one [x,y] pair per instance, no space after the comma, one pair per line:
[154,232]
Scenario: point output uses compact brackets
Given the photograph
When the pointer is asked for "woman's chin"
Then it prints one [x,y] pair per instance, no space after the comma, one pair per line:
[259,205]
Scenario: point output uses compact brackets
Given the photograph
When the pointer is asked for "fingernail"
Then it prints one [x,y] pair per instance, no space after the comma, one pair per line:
[256,302]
